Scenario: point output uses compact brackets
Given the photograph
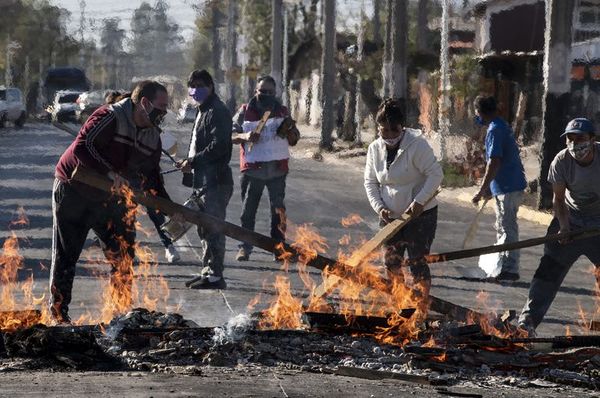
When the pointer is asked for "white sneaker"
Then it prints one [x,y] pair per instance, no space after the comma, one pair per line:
[171,254]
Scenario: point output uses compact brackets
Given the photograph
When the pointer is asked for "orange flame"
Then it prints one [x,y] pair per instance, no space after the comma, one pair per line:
[352,219]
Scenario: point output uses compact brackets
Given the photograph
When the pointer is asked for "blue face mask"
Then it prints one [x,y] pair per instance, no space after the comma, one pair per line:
[479,121]
[199,94]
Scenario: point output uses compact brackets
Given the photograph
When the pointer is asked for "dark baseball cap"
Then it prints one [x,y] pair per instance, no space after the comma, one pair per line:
[580,125]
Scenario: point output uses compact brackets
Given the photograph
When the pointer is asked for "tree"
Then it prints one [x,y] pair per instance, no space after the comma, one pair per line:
[399,43]
[232,74]
[156,42]
[111,48]
[422,25]
[328,76]
[276,43]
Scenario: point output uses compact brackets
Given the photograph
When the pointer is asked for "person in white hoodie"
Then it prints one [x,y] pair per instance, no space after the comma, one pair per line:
[401,174]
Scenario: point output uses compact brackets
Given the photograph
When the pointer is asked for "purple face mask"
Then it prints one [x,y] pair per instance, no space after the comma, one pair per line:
[199,94]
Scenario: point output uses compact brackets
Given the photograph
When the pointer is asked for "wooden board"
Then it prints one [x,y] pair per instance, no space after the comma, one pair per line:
[363,252]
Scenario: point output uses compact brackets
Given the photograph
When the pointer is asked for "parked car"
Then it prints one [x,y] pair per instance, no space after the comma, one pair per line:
[64,107]
[88,102]
[187,113]
[12,108]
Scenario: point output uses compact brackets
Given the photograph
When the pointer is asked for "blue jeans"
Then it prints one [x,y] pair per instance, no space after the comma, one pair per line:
[252,189]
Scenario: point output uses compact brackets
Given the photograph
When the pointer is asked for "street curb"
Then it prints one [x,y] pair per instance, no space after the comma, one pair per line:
[525,212]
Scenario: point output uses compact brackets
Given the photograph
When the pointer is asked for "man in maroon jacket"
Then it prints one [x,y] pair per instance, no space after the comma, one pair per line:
[121,141]
[264,158]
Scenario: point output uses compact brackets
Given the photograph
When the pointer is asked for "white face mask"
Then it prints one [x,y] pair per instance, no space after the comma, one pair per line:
[392,141]
[580,150]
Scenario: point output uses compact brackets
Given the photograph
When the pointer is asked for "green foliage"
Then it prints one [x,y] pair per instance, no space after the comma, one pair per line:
[464,74]
[453,177]
[39,29]
[156,42]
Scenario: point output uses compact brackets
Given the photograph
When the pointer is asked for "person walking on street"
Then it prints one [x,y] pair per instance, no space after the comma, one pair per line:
[264,158]
[400,175]
[575,177]
[208,158]
[504,180]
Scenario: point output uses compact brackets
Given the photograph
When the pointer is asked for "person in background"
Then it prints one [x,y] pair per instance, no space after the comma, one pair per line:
[504,180]
[208,158]
[264,158]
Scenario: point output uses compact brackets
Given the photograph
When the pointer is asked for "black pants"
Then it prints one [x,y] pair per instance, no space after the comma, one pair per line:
[74,215]
[415,239]
[158,219]
[252,189]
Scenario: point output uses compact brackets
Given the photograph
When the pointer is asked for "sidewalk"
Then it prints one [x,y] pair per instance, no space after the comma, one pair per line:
[308,146]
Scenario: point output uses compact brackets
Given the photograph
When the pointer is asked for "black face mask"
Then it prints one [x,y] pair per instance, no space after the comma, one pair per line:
[156,115]
[266,100]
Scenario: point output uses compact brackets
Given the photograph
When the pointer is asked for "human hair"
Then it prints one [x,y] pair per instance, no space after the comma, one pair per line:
[147,89]
[266,79]
[201,75]
[485,105]
[390,112]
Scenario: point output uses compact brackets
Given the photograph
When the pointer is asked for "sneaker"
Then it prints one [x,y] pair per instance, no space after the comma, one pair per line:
[206,283]
[243,254]
[171,254]
[507,277]
[527,330]
[61,318]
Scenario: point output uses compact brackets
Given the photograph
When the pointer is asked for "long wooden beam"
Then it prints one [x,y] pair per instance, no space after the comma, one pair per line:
[462,254]
[320,262]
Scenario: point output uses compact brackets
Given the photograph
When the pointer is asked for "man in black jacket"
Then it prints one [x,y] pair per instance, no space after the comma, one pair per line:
[208,158]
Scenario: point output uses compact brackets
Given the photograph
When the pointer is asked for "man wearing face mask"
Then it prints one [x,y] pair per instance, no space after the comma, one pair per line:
[208,158]
[121,141]
[264,158]
[575,177]
[504,180]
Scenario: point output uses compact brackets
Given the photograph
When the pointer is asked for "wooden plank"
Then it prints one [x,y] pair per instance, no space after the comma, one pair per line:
[520,115]
[462,254]
[212,224]
[358,256]
[370,374]
[260,126]
[474,224]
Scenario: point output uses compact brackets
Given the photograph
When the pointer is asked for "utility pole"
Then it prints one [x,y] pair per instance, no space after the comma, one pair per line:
[557,86]
[285,78]
[328,77]
[82,6]
[359,58]
[422,11]
[216,44]
[376,21]
[232,76]
[276,43]
[387,53]
[444,101]
[399,44]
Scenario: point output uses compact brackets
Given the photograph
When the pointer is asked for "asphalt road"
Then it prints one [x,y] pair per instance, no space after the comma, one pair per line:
[318,193]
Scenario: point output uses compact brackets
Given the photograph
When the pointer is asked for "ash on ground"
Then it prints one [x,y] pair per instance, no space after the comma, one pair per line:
[155,342]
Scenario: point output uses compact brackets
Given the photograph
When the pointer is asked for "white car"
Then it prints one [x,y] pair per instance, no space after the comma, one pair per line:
[187,113]
[65,106]
[12,108]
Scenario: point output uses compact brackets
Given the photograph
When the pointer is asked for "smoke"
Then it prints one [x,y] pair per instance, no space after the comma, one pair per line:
[234,330]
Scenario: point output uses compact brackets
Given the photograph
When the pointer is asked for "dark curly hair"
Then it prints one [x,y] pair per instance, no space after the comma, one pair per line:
[485,105]
[391,112]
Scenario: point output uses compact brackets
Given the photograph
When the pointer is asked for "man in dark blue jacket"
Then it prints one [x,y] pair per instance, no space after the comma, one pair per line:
[208,159]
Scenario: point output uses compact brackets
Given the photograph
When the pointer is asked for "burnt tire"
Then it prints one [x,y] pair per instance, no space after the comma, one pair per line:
[20,122]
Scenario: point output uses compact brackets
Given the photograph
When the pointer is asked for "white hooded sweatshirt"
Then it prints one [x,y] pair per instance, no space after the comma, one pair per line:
[414,175]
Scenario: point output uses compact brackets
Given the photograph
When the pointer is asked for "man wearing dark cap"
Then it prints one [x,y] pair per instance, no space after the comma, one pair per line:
[575,177]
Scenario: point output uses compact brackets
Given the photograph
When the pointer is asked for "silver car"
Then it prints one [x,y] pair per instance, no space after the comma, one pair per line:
[12,108]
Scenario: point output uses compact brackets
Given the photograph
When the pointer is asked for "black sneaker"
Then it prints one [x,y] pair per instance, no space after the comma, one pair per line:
[507,277]
[205,283]
[61,318]
[243,254]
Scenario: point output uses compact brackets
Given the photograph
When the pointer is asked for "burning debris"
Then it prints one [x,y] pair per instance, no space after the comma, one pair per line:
[443,354]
